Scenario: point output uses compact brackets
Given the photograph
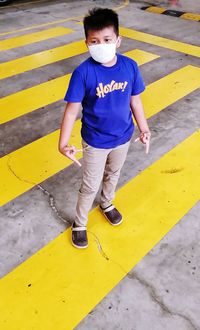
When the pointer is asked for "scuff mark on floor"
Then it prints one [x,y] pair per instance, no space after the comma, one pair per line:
[173,170]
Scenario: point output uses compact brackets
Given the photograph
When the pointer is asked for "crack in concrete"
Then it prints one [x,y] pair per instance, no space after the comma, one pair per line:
[99,246]
[133,275]
[154,296]
[52,204]
[51,198]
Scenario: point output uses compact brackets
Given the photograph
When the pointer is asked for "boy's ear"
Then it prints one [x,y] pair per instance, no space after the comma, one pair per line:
[86,43]
[119,41]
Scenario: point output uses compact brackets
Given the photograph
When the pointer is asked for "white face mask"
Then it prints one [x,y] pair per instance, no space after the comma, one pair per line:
[103,53]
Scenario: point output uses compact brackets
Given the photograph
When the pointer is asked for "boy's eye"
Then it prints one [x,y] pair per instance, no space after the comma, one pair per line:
[107,40]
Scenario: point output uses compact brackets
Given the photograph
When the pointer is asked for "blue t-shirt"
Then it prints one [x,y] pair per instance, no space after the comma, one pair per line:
[105,94]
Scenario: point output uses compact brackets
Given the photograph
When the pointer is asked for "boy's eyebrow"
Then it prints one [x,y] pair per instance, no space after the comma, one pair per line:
[103,37]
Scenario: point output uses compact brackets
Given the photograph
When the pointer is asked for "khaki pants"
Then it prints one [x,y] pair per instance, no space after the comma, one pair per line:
[99,165]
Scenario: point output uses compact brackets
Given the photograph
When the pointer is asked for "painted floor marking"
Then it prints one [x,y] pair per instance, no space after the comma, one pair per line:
[33,98]
[27,39]
[50,289]
[161,42]
[191,16]
[172,12]
[24,168]
[156,10]
[75,18]
[140,56]
[51,91]
[37,60]
[32,27]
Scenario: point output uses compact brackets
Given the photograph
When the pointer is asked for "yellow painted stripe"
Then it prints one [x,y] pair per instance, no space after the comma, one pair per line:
[37,60]
[40,160]
[31,164]
[33,37]
[75,18]
[32,98]
[161,42]
[171,88]
[50,290]
[160,10]
[140,56]
[157,10]
[30,62]
[191,16]
[28,100]
[32,27]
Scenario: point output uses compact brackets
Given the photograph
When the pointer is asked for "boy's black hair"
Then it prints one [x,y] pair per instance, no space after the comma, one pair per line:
[100,18]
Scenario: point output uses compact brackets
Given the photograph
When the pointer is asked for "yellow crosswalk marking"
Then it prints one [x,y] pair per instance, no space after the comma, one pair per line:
[171,88]
[20,103]
[37,60]
[33,37]
[30,99]
[20,170]
[161,42]
[42,25]
[40,160]
[140,56]
[50,290]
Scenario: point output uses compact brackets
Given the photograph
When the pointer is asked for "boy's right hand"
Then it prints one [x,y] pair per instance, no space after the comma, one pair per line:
[145,139]
[70,152]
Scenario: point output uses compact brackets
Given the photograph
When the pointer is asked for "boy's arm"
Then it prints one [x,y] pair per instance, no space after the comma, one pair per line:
[70,114]
[138,113]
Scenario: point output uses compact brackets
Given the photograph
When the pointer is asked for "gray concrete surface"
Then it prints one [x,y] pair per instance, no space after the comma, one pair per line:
[162,291]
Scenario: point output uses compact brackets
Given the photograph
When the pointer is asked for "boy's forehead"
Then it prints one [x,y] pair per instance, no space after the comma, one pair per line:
[105,32]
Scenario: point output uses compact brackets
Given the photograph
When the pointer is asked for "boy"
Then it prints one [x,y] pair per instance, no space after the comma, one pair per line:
[107,85]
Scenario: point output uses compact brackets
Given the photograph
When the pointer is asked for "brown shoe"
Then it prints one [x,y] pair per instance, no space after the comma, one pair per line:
[79,237]
[112,215]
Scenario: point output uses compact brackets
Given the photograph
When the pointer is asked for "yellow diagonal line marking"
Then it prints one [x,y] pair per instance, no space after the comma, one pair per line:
[140,56]
[40,160]
[28,100]
[171,88]
[161,42]
[37,60]
[75,18]
[59,285]
[31,99]
[33,37]
[32,27]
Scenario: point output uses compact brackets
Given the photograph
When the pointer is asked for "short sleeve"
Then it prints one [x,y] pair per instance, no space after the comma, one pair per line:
[76,88]
[138,85]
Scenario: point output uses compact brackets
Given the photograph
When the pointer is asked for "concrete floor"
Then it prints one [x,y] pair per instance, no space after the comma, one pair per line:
[163,290]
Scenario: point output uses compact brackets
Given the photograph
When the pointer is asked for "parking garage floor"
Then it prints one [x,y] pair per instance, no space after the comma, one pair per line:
[144,274]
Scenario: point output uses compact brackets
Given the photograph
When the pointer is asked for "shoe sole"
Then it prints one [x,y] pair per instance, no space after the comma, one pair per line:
[113,224]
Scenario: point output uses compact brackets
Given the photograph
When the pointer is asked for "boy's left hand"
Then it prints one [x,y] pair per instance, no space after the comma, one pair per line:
[145,139]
